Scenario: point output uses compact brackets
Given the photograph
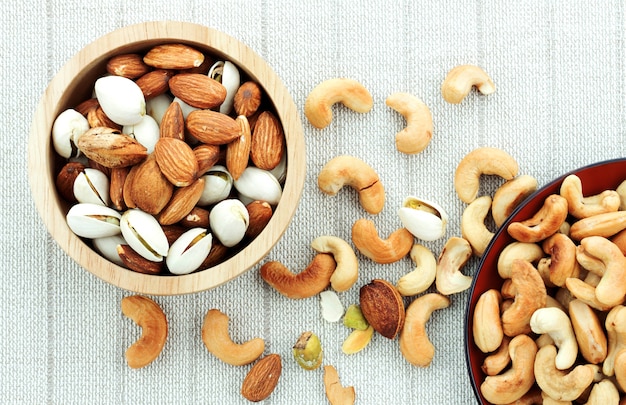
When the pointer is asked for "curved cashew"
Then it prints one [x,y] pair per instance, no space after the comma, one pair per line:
[530,295]
[606,225]
[621,191]
[150,317]
[455,254]
[415,345]
[498,360]
[554,322]
[349,92]
[620,240]
[460,80]
[620,368]
[487,161]
[544,223]
[511,385]
[531,252]
[347,271]
[603,393]
[473,226]
[487,327]
[588,330]
[336,393]
[354,172]
[218,342]
[583,207]
[585,292]
[510,195]
[615,325]
[561,262]
[423,276]
[603,257]
[561,385]
[365,238]
[309,282]
[419,130]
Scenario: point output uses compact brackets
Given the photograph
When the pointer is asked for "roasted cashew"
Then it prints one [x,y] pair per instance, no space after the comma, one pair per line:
[620,368]
[354,172]
[603,393]
[423,276]
[561,385]
[531,252]
[615,325]
[530,295]
[336,393]
[511,385]
[621,191]
[473,226]
[349,92]
[555,322]
[218,342]
[460,80]
[604,258]
[588,330]
[620,240]
[498,360]
[510,195]
[582,207]
[150,317]
[487,161]
[419,129]
[561,262]
[585,292]
[365,238]
[455,254]
[415,345]
[606,225]
[487,326]
[347,271]
[543,223]
[309,282]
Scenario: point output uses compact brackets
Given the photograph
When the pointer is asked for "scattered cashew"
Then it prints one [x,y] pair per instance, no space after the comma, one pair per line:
[606,225]
[415,345]
[423,276]
[487,326]
[603,393]
[347,271]
[150,317]
[335,392]
[611,266]
[349,92]
[365,238]
[473,226]
[419,130]
[582,207]
[218,342]
[487,161]
[561,385]
[354,172]
[530,295]
[561,262]
[460,80]
[510,195]
[591,339]
[555,322]
[455,254]
[498,360]
[309,282]
[543,223]
[531,252]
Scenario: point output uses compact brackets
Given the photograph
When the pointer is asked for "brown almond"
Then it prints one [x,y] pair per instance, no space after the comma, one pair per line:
[110,148]
[150,190]
[128,201]
[173,232]
[268,142]
[182,202]
[87,105]
[173,122]
[96,117]
[238,151]
[207,156]
[260,213]
[262,378]
[198,90]
[173,56]
[212,127]
[138,263]
[155,83]
[216,255]
[65,180]
[129,65]
[176,160]
[247,98]
[116,187]
[382,306]
[197,218]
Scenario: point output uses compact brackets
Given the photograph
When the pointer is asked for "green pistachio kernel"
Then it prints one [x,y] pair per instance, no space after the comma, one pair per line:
[308,351]
[354,318]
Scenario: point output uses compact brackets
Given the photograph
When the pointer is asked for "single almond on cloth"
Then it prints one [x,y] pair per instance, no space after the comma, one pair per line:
[212,127]
[268,142]
[382,307]
[176,160]
[262,378]
[138,263]
[207,156]
[238,151]
[260,213]
[110,148]
[129,65]
[154,83]
[173,56]
[149,189]
[182,202]
[247,98]
[198,90]
[173,122]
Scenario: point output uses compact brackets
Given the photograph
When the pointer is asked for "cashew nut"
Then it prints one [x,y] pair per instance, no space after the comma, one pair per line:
[621,191]
[218,342]
[543,223]
[603,393]
[349,92]
[498,360]
[460,80]
[354,172]
[335,392]
[510,195]
[583,207]
[530,295]
[620,368]
[531,252]
[620,240]
[365,238]
[455,254]
[615,325]
[585,292]
[347,271]
[150,317]
[603,257]
[511,385]
[554,322]
[473,226]
[423,276]
[487,161]
[309,282]
[561,262]
[606,225]
[487,327]
[419,130]
[588,330]
[561,385]
[415,345]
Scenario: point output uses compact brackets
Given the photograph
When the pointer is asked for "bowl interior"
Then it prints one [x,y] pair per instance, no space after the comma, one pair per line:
[595,178]
[74,83]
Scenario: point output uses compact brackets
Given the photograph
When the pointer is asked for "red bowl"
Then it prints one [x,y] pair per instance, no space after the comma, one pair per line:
[595,178]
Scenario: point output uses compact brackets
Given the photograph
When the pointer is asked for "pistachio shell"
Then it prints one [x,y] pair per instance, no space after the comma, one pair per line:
[426,220]
[229,221]
[66,130]
[107,247]
[189,251]
[121,99]
[258,184]
[93,220]
[144,234]
[156,106]
[186,108]
[226,73]
[217,185]
[332,309]
[146,132]
[280,171]
[92,186]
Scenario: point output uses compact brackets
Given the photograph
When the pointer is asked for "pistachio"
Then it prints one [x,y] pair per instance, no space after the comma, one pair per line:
[107,247]
[258,184]
[308,351]
[217,185]
[92,186]
[357,340]
[354,318]
[156,106]
[144,234]
[189,251]
[121,99]
[229,221]
[66,130]
[146,132]
[93,220]
[425,219]
[226,73]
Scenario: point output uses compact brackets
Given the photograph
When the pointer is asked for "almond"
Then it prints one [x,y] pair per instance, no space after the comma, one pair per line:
[154,83]
[182,202]
[173,122]
[87,105]
[260,213]
[207,156]
[262,378]
[238,151]
[128,65]
[268,142]
[197,218]
[212,127]
[247,99]
[110,148]
[98,118]
[173,232]
[216,255]
[128,201]
[65,180]
[136,262]
[173,56]
[198,90]
[116,187]
[177,161]
[382,307]
[150,190]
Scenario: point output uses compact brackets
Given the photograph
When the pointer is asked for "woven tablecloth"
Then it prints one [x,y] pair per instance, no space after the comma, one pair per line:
[559,71]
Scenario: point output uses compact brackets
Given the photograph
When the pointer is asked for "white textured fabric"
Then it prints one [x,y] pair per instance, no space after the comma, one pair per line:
[560,104]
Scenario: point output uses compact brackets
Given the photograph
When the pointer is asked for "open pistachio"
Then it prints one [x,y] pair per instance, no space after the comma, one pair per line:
[308,351]
[425,219]
[229,220]
[121,99]
[93,220]
[146,132]
[66,130]
[226,73]
[189,251]
[217,185]
[144,234]
[258,184]
[107,247]
[156,106]
[92,186]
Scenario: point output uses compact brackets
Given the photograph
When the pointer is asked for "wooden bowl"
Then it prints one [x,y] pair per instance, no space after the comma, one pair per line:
[595,178]
[74,83]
